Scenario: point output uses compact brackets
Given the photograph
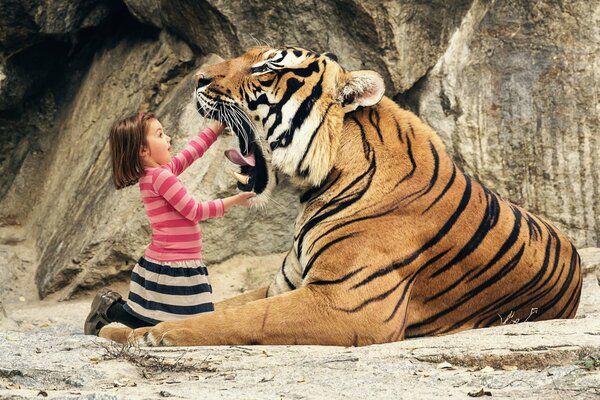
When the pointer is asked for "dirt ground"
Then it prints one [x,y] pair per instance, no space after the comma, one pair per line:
[45,354]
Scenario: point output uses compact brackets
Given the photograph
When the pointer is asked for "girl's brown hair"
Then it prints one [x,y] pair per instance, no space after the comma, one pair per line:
[127,136]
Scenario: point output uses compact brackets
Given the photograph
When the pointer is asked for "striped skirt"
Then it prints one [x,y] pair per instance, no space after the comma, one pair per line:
[166,291]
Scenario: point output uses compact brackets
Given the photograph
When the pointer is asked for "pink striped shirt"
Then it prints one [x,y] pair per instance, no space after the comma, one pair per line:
[172,212]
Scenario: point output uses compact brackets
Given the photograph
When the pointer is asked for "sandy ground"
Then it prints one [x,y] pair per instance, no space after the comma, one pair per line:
[45,355]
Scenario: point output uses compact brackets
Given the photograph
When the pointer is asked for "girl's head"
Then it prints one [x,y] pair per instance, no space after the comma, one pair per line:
[137,142]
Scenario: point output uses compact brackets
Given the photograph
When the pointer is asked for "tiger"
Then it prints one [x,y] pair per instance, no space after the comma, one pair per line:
[392,240]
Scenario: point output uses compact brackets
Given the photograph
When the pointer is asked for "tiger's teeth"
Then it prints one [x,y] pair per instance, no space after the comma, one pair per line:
[243,179]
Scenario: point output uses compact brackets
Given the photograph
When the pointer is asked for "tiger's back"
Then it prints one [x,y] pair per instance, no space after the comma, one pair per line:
[471,259]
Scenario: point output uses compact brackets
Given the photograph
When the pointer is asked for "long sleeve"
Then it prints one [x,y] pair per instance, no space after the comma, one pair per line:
[166,184]
[192,151]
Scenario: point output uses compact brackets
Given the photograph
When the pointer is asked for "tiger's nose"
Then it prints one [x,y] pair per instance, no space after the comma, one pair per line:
[202,80]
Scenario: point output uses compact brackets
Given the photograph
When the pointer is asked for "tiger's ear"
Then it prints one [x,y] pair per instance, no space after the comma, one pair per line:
[361,88]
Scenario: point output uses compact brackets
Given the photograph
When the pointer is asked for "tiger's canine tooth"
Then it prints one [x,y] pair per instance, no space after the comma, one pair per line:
[243,179]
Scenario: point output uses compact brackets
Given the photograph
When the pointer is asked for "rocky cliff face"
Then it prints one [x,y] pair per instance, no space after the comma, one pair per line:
[512,87]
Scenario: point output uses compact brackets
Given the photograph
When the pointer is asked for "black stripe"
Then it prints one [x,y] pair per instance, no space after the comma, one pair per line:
[300,116]
[417,274]
[365,142]
[545,286]
[171,271]
[401,300]
[398,130]
[448,185]
[301,72]
[470,295]
[519,294]
[535,231]
[310,142]
[313,192]
[266,82]
[464,201]
[497,277]
[285,277]
[506,246]
[529,300]
[169,308]
[346,223]
[412,161]
[574,302]
[321,214]
[373,113]
[570,301]
[339,280]
[489,220]
[412,131]
[171,289]
[434,176]
[573,266]
[379,297]
[292,86]
[315,256]
[143,318]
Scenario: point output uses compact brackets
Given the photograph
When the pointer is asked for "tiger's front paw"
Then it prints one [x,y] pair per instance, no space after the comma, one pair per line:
[116,334]
[163,334]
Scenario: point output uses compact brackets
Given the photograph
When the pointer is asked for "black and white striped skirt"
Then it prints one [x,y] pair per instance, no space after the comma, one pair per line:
[166,291]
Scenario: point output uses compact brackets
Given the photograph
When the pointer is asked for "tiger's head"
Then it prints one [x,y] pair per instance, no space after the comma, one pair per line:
[286,107]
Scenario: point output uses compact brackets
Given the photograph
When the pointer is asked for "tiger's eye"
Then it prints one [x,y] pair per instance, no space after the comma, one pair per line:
[259,69]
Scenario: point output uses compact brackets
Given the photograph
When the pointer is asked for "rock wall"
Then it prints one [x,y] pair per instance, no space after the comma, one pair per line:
[516,99]
[87,231]
[511,86]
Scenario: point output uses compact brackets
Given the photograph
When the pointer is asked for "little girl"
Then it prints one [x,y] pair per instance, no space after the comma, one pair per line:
[170,281]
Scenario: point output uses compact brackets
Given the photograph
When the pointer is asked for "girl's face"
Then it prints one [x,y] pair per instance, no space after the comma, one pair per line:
[158,151]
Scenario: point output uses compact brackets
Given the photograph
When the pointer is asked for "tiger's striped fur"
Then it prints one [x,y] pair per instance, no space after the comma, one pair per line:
[393,240]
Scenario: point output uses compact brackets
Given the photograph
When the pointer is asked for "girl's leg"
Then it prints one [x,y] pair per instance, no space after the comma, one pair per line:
[116,313]
[107,307]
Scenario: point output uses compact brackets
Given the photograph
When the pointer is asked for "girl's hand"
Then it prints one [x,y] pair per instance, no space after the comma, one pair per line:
[217,127]
[240,199]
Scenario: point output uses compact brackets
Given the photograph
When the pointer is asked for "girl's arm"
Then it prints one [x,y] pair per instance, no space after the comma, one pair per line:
[166,184]
[195,148]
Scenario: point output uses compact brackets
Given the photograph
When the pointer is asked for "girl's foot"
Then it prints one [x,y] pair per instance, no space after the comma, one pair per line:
[97,318]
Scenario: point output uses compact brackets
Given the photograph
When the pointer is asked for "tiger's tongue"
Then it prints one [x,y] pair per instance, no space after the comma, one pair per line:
[236,157]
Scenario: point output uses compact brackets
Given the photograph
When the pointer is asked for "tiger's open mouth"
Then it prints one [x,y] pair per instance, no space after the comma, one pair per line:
[253,175]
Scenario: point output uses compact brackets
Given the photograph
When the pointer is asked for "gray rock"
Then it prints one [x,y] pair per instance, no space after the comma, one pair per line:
[105,230]
[401,40]
[75,173]
[26,22]
[590,259]
[75,381]
[515,98]
[510,86]
[35,38]
[100,396]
